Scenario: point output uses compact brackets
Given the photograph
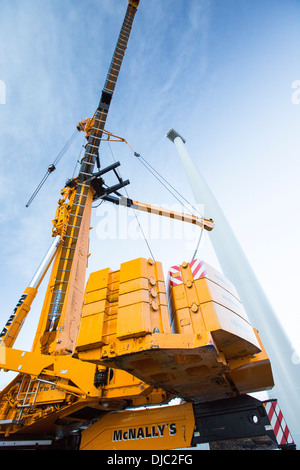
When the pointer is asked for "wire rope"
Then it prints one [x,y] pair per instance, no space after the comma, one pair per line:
[145,163]
[137,219]
[153,171]
[52,167]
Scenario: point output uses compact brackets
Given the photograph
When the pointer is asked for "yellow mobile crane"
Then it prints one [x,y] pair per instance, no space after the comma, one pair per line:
[109,356]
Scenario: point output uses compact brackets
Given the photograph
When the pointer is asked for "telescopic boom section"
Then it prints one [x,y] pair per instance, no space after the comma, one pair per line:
[207,224]
[59,321]
[91,154]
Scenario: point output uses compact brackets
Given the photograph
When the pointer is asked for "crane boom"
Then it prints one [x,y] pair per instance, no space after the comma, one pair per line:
[206,224]
[15,322]
[58,323]
[149,208]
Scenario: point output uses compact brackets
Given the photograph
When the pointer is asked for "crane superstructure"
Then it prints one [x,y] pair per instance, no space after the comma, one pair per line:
[124,340]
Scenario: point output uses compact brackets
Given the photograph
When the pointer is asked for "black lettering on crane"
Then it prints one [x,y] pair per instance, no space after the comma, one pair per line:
[144,432]
[12,316]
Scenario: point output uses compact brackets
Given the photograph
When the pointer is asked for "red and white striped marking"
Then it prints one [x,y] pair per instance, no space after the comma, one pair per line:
[277,421]
[175,276]
[197,267]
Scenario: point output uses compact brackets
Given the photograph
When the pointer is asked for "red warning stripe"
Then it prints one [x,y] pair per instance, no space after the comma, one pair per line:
[197,267]
[277,421]
[175,276]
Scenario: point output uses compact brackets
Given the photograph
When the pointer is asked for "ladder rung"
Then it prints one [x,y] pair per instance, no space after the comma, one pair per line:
[91,154]
[116,58]
[110,80]
[97,119]
[124,35]
[120,47]
[98,122]
[97,129]
[10,422]
[114,74]
[54,303]
[77,205]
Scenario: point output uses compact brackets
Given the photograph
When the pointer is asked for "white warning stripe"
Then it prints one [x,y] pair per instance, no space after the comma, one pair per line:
[277,421]
[197,268]
[175,276]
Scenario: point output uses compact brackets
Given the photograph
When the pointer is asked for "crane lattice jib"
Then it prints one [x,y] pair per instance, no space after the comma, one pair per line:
[83,189]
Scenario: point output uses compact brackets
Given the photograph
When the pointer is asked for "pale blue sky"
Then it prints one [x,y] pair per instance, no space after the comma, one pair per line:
[218,71]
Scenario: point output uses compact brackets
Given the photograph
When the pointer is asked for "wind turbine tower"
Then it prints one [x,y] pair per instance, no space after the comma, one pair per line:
[235,265]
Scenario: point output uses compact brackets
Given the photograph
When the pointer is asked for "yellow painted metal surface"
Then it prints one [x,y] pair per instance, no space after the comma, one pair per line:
[60,316]
[212,304]
[63,211]
[14,324]
[80,373]
[254,371]
[210,328]
[160,428]
[125,334]
[123,304]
